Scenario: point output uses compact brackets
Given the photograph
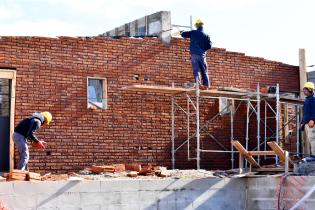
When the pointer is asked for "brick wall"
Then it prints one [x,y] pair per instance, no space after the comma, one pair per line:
[52,75]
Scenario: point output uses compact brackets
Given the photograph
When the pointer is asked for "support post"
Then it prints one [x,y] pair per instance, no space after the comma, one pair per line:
[297,112]
[258,121]
[265,130]
[173,130]
[232,106]
[277,117]
[247,129]
[188,126]
[303,75]
[286,162]
[197,123]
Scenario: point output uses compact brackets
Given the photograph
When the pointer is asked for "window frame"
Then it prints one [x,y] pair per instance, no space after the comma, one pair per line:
[91,105]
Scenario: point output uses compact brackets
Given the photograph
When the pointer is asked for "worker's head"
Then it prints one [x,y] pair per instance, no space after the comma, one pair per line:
[47,117]
[308,88]
[198,23]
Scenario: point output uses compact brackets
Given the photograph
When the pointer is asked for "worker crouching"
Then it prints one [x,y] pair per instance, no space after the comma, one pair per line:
[24,132]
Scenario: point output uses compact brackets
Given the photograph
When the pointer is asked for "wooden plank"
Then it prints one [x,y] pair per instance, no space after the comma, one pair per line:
[179,90]
[212,92]
[277,149]
[10,74]
[256,153]
[12,116]
[245,153]
[262,169]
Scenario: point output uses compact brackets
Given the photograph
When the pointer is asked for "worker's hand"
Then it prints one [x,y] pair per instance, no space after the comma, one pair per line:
[311,123]
[40,145]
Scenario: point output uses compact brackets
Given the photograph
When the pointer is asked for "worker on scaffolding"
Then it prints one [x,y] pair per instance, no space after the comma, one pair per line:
[199,44]
[24,132]
[308,119]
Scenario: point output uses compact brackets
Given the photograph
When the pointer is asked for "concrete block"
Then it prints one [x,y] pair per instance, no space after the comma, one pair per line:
[56,187]
[129,197]
[265,193]
[149,196]
[120,186]
[6,188]
[20,201]
[91,207]
[263,181]
[261,204]
[53,208]
[114,207]
[24,188]
[111,198]
[47,200]
[69,198]
[160,185]
[84,186]
[90,198]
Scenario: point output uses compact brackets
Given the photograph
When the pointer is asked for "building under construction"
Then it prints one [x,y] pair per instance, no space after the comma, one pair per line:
[121,98]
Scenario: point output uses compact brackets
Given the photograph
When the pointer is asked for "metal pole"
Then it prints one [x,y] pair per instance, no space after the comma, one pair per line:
[258,121]
[265,135]
[247,129]
[297,112]
[197,123]
[277,117]
[286,162]
[173,130]
[188,125]
[232,132]
[191,23]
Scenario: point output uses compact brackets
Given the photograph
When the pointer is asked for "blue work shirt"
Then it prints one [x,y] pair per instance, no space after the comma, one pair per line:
[199,41]
[309,109]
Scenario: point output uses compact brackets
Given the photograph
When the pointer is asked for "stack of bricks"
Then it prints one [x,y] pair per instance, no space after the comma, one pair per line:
[19,175]
[135,126]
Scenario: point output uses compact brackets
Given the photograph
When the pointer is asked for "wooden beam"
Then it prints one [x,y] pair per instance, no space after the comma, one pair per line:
[303,75]
[262,169]
[277,149]
[11,75]
[286,123]
[256,153]
[245,153]
[12,117]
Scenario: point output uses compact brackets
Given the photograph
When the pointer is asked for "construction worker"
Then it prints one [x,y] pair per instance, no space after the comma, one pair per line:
[24,131]
[199,44]
[308,119]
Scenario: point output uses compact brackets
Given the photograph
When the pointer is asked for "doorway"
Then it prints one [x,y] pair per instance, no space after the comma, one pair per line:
[7,95]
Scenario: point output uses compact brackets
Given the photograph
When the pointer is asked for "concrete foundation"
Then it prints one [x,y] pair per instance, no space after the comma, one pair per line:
[210,193]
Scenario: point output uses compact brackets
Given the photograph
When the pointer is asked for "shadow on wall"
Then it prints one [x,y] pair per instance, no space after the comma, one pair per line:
[210,194]
[61,191]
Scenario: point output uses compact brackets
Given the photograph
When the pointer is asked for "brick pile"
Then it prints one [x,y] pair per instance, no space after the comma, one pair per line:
[132,170]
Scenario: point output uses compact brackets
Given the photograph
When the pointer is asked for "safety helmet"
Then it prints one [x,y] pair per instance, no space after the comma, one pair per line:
[309,85]
[47,117]
[198,23]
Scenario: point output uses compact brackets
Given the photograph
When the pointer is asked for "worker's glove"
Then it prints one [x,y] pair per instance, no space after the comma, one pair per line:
[40,145]
[311,123]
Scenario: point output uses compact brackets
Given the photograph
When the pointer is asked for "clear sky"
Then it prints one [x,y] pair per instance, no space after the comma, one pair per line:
[273,29]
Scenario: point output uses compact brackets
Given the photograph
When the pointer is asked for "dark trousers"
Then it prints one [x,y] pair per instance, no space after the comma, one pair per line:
[200,67]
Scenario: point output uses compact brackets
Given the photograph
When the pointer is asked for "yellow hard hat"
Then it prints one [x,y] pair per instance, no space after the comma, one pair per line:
[47,117]
[309,85]
[198,23]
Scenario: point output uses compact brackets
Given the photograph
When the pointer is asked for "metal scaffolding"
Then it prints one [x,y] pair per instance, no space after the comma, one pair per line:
[253,101]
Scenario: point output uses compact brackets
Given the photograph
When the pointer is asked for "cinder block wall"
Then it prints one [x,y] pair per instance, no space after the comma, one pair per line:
[52,75]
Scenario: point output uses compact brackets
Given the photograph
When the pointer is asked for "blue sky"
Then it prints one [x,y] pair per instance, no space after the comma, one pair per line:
[273,29]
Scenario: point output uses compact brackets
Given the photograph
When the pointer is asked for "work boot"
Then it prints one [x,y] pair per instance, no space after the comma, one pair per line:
[203,87]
